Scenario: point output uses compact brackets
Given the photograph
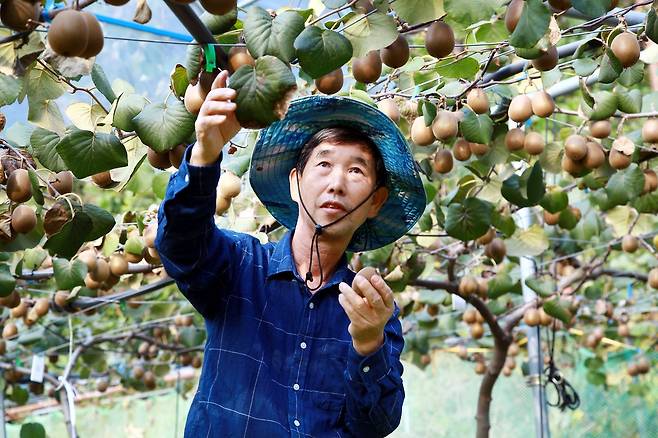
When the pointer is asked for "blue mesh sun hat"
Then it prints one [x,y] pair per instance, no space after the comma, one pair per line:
[279,145]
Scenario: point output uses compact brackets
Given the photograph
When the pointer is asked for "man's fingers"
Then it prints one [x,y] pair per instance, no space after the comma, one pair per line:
[220,94]
[220,80]
[384,291]
[352,313]
[352,297]
[211,120]
[371,294]
[214,107]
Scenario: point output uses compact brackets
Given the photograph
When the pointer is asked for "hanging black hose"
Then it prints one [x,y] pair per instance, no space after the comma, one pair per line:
[566,395]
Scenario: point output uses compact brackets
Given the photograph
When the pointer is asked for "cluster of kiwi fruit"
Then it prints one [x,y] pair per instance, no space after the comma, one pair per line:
[228,187]
[582,154]
[217,7]
[494,247]
[20,15]
[639,366]
[75,33]
[27,309]
[474,320]
[534,317]
[164,160]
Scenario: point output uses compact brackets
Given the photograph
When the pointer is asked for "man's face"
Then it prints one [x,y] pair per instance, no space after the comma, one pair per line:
[335,180]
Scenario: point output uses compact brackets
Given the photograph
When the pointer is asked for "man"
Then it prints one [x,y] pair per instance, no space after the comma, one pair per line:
[292,349]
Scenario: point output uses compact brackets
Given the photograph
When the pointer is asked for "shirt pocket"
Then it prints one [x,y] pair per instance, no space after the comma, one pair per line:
[330,365]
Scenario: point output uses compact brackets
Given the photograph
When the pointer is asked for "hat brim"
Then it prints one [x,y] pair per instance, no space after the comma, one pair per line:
[278,147]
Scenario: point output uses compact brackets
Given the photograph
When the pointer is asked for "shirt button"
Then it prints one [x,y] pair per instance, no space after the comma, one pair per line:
[303,345]
[366,369]
[187,178]
[311,305]
[296,423]
[295,387]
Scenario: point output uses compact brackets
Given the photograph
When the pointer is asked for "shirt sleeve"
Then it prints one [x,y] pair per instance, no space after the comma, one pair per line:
[374,385]
[194,251]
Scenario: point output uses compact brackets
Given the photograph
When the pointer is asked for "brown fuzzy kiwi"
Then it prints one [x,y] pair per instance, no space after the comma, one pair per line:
[477,330]
[19,186]
[534,143]
[193,98]
[95,39]
[626,48]
[513,14]
[520,108]
[159,160]
[543,104]
[468,285]
[479,149]
[461,150]
[629,243]
[547,61]
[572,167]
[595,156]
[439,39]
[560,5]
[118,265]
[219,7]
[601,128]
[16,14]
[551,218]
[651,179]
[102,179]
[443,161]
[206,80]
[514,139]
[618,160]
[62,182]
[396,54]
[176,155]
[653,278]
[444,125]
[420,134]
[487,237]
[68,34]
[650,131]
[330,83]
[390,108]
[496,250]
[368,68]
[239,56]
[23,219]
[575,147]
[478,101]
[531,317]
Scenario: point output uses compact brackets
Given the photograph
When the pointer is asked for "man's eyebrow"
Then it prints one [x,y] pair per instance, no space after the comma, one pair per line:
[360,160]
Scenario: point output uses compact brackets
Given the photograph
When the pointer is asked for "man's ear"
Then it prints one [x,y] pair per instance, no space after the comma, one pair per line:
[378,199]
[292,180]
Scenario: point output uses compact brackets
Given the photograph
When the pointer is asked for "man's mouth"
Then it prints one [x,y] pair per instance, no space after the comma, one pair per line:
[332,205]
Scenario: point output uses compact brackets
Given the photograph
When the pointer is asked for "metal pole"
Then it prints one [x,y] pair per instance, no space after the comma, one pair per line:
[3,430]
[535,360]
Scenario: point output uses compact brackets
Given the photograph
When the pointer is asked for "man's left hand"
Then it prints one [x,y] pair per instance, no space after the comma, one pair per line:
[368,313]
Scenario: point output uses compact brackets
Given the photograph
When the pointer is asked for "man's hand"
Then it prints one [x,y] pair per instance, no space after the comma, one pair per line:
[216,123]
[368,313]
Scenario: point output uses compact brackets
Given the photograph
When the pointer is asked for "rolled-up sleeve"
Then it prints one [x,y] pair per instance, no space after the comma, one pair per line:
[374,385]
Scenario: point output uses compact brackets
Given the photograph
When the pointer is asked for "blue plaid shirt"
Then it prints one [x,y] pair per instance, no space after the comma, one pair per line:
[278,360]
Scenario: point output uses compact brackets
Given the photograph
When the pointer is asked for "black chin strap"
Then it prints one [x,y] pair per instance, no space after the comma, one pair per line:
[316,235]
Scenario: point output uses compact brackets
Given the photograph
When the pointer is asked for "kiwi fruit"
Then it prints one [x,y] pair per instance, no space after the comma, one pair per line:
[229,184]
[41,306]
[480,367]
[623,330]
[477,330]
[483,287]
[396,54]
[643,365]
[544,318]
[88,257]
[16,14]
[531,317]
[618,160]
[468,285]
[20,310]
[496,250]
[12,300]
[603,128]
[102,270]
[102,179]
[62,182]
[651,179]
[487,237]
[3,121]
[19,186]
[479,149]
[469,316]
[239,56]
[149,380]
[520,108]
[543,104]
[439,39]
[368,68]
[118,265]
[221,204]
[420,134]
[390,108]
[91,283]
[653,278]
[219,7]
[595,157]
[443,161]
[572,167]
[514,139]
[150,233]
[513,14]
[159,160]
[534,143]
[116,2]
[629,243]
[23,219]
[478,101]
[444,125]
[176,155]
[626,48]
[95,40]
[560,5]
[330,83]
[650,131]
[551,218]
[9,331]
[547,60]
[575,147]
[61,298]
[461,150]
[193,98]
[68,33]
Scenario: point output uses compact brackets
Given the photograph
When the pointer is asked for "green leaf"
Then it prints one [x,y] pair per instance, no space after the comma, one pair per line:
[159,184]
[18,395]
[532,25]
[529,242]
[651,26]
[584,66]
[596,378]
[46,114]
[555,201]
[70,238]
[463,14]
[10,88]
[102,221]
[163,126]
[44,148]
[417,11]
[476,128]
[499,285]
[464,68]
[503,223]
[192,63]
[191,337]
[264,91]
[268,36]
[628,101]
[134,245]
[37,194]
[128,106]
[525,190]
[373,32]
[179,81]
[32,430]
[605,105]
[632,75]
[100,80]
[33,258]
[218,24]
[611,68]
[42,86]
[86,153]
[543,288]
[594,363]
[468,220]
[7,281]
[592,8]
[316,43]
[625,185]
[69,274]
[557,310]
[428,112]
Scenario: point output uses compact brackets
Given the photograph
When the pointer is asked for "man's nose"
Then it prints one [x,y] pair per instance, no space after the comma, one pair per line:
[337,181]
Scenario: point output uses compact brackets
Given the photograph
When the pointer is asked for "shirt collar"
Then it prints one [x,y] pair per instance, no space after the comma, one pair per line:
[282,261]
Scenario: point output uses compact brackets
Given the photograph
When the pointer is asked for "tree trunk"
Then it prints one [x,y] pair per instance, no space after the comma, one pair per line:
[486,387]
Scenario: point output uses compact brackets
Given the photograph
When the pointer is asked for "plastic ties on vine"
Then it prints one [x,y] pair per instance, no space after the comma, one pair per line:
[211,60]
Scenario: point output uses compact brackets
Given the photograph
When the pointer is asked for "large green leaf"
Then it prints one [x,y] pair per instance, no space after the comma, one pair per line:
[628,101]
[102,221]
[632,75]
[611,68]
[42,86]
[544,287]
[264,91]
[592,8]
[44,149]
[70,238]
[218,24]
[178,80]
[476,128]
[7,281]
[101,82]
[469,220]
[625,185]
[10,88]
[272,36]
[525,190]
[418,11]
[557,310]
[192,62]
[373,32]
[86,153]
[532,25]
[651,25]
[463,14]
[128,106]
[163,126]
[69,274]
[529,242]
[464,68]
[501,284]
[32,430]
[46,114]
[316,43]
